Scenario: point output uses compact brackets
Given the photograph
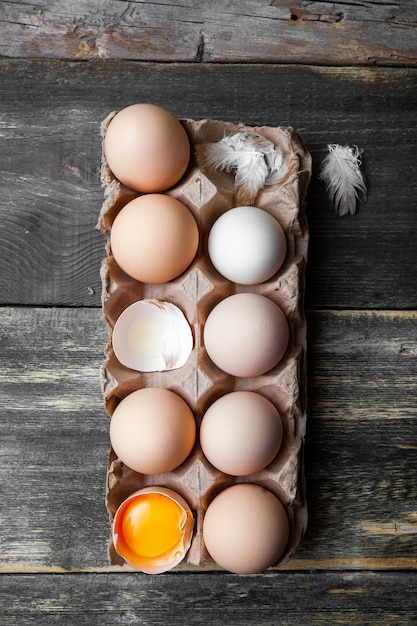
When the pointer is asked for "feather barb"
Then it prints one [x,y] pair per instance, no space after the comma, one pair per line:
[340,170]
[255,161]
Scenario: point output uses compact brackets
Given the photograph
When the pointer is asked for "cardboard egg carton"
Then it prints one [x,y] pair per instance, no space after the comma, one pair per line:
[199,382]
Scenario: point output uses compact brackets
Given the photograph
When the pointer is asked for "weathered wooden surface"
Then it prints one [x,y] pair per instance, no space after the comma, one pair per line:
[357,563]
[334,599]
[50,252]
[273,31]
[361,461]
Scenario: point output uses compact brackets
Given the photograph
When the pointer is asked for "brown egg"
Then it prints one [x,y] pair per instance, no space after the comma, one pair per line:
[152,430]
[246,334]
[241,433]
[246,529]
[154,238]
[147,148]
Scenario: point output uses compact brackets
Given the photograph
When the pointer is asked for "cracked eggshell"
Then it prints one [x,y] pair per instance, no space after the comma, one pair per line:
[152,529]
[152,336]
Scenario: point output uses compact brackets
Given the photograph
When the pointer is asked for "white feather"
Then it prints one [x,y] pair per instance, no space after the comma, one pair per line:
[256,161]
[340,170]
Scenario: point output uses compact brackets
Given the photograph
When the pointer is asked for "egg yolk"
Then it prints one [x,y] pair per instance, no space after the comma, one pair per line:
[152,525]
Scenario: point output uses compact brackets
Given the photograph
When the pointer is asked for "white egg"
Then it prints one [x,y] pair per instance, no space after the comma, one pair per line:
[247,245]
[152,336]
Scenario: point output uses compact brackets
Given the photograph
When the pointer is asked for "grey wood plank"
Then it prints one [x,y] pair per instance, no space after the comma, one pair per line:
[293,598]
[50,252]
[361,466]
[54,438]
[281,31]
[362,437]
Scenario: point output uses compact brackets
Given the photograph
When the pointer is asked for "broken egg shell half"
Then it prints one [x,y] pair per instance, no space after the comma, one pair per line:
[152,336]
[152,529]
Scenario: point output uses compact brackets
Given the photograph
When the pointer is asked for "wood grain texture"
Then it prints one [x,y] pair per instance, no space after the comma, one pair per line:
[361,462]
[362,434]
[307,598]
[338,72]
[54,438]
[50,112]
[277,31]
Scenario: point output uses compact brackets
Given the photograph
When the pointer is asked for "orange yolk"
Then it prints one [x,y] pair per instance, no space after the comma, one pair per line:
[152,525]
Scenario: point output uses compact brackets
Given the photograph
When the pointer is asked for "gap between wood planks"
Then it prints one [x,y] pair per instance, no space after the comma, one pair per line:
[294,565]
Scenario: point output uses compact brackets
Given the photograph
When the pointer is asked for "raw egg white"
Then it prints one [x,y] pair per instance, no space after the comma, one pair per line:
[152,529]
[246,334]
[147,148]
[247,245]
[152,430]
[246,529]
[241,433]
[154,238]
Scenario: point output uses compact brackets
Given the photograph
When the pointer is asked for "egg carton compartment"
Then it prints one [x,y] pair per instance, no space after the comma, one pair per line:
[208,193]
